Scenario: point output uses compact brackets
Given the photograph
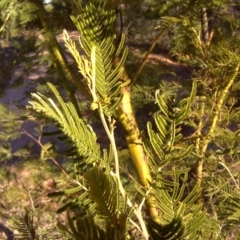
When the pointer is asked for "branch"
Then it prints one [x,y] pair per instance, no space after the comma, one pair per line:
[199,166]
[7,18]
[148,53]
[51,158]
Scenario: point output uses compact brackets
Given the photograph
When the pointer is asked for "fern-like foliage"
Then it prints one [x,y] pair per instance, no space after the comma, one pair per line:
[102,201]
[95,23]
[179,217]
[213,62]
[230,209]
[168,121]
[98,41]
[174,230]
[97,191]
[224,201]
[86,228]
[66,116]
[103,192]
[26,227]
[9,131]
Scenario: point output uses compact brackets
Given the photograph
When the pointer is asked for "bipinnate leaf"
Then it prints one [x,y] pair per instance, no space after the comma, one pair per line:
[99,65]
[83,228]
[65,115]
[103,190]
[172,231]
[26,227]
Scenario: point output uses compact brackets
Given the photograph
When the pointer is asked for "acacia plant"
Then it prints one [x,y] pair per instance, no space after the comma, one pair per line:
[99,186]
[103,200]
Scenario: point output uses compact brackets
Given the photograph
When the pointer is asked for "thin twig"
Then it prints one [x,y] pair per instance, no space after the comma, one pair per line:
[51,158]
[147,54]
[30,197]
[221,163]
[6,19]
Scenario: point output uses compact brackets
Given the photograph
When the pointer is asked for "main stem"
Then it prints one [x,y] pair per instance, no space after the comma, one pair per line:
[135,145]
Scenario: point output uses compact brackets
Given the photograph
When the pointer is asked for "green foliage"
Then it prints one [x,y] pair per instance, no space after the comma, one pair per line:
[102,204]
[85,228]
[9,130]
[16,14]
[103,192]
[82,136]
[98,42]
[173,230]
[7,124]
[26,227]
[103,195]
[169,118]
[179,217]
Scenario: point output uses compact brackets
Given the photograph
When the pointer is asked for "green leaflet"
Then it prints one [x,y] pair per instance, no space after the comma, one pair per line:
[82,136]
[179,215]
[103,190]
[98,41]
[167,121]
[26,227]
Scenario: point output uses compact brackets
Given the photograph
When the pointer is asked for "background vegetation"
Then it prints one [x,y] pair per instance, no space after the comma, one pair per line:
[132,131]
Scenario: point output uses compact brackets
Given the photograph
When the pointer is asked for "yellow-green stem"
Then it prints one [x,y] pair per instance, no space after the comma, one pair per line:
[135,145]
[212,128]
[110,134]
[202,103]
